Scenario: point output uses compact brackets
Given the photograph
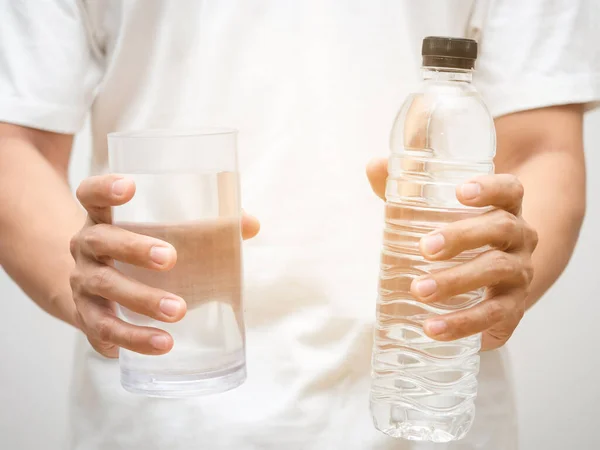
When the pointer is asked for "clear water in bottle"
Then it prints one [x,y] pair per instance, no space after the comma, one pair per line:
[424,389]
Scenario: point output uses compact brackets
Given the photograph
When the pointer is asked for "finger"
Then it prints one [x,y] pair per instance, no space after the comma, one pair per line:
[377,173]
[97,194]
[497,228]
[503,191]
[488,269]
[476,319]
[497,335]
[250,226]
[107,349]
[108,283]
[104,330]
[102,242]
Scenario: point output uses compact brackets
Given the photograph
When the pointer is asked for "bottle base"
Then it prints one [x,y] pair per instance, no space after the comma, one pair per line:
[413,432]
[169,385]
[407,422]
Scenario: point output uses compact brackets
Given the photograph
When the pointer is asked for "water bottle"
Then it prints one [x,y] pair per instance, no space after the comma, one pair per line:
[443,136]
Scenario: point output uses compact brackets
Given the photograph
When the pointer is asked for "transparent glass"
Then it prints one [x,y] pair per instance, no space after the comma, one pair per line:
[424,389]
[187,193]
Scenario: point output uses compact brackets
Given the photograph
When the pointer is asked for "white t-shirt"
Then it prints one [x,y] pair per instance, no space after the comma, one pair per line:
[313,87]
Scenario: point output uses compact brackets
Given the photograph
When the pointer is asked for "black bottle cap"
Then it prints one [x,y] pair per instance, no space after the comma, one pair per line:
[453,53]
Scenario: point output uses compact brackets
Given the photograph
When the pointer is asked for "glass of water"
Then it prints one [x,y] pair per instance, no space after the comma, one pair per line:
[187,194]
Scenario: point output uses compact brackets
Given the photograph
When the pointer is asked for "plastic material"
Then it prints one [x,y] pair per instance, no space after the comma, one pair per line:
[443,136]
[454,53]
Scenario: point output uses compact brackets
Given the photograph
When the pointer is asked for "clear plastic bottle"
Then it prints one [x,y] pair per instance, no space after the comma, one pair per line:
[443,136]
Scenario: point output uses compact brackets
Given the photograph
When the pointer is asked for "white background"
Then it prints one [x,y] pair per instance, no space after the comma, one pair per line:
[554,353]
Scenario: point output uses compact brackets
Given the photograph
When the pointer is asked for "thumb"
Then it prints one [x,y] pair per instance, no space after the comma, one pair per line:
[377,173]
[250,226]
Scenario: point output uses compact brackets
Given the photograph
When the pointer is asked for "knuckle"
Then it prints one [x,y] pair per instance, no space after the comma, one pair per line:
[90,237]
[75,281]
[502,264]
[522,276]
[529,271]
[523,272]
[100,279]
[519,189]
[533,237]
[137,247]
[455,236]
[508,225]
[503,336]
[104,328]
[509,222]
[515,313]
[80,192]
[461,325]
[94,237]
[74,245]
[128,338]
[446,282]
[495,311]
[106,349]
[516,186]
[74,278]
[455,233]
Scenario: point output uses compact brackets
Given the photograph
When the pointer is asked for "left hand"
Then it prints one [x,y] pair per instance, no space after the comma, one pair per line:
[505,271]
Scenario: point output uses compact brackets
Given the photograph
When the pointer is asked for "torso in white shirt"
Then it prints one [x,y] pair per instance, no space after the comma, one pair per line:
[313,87]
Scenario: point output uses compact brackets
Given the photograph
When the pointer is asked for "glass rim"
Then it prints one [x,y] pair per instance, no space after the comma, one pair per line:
[158,133]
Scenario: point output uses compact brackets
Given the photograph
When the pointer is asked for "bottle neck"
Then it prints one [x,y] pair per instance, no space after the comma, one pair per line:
[446,74]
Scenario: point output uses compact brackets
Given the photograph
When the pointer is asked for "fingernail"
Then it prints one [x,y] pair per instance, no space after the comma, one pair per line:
[433,243]
[436,327]
[160,342]
[119,187]
[160,255]
[170,307]
[470,190]
[425,287]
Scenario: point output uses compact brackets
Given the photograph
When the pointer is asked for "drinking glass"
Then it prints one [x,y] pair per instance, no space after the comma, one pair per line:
[187,194]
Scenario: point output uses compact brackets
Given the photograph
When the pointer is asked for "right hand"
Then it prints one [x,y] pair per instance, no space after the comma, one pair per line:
[97,286]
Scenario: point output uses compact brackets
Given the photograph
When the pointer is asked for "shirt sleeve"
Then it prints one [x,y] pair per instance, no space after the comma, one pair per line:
[48,71]
[538,53]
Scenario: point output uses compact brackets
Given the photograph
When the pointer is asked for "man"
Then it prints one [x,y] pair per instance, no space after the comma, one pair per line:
[312,86]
